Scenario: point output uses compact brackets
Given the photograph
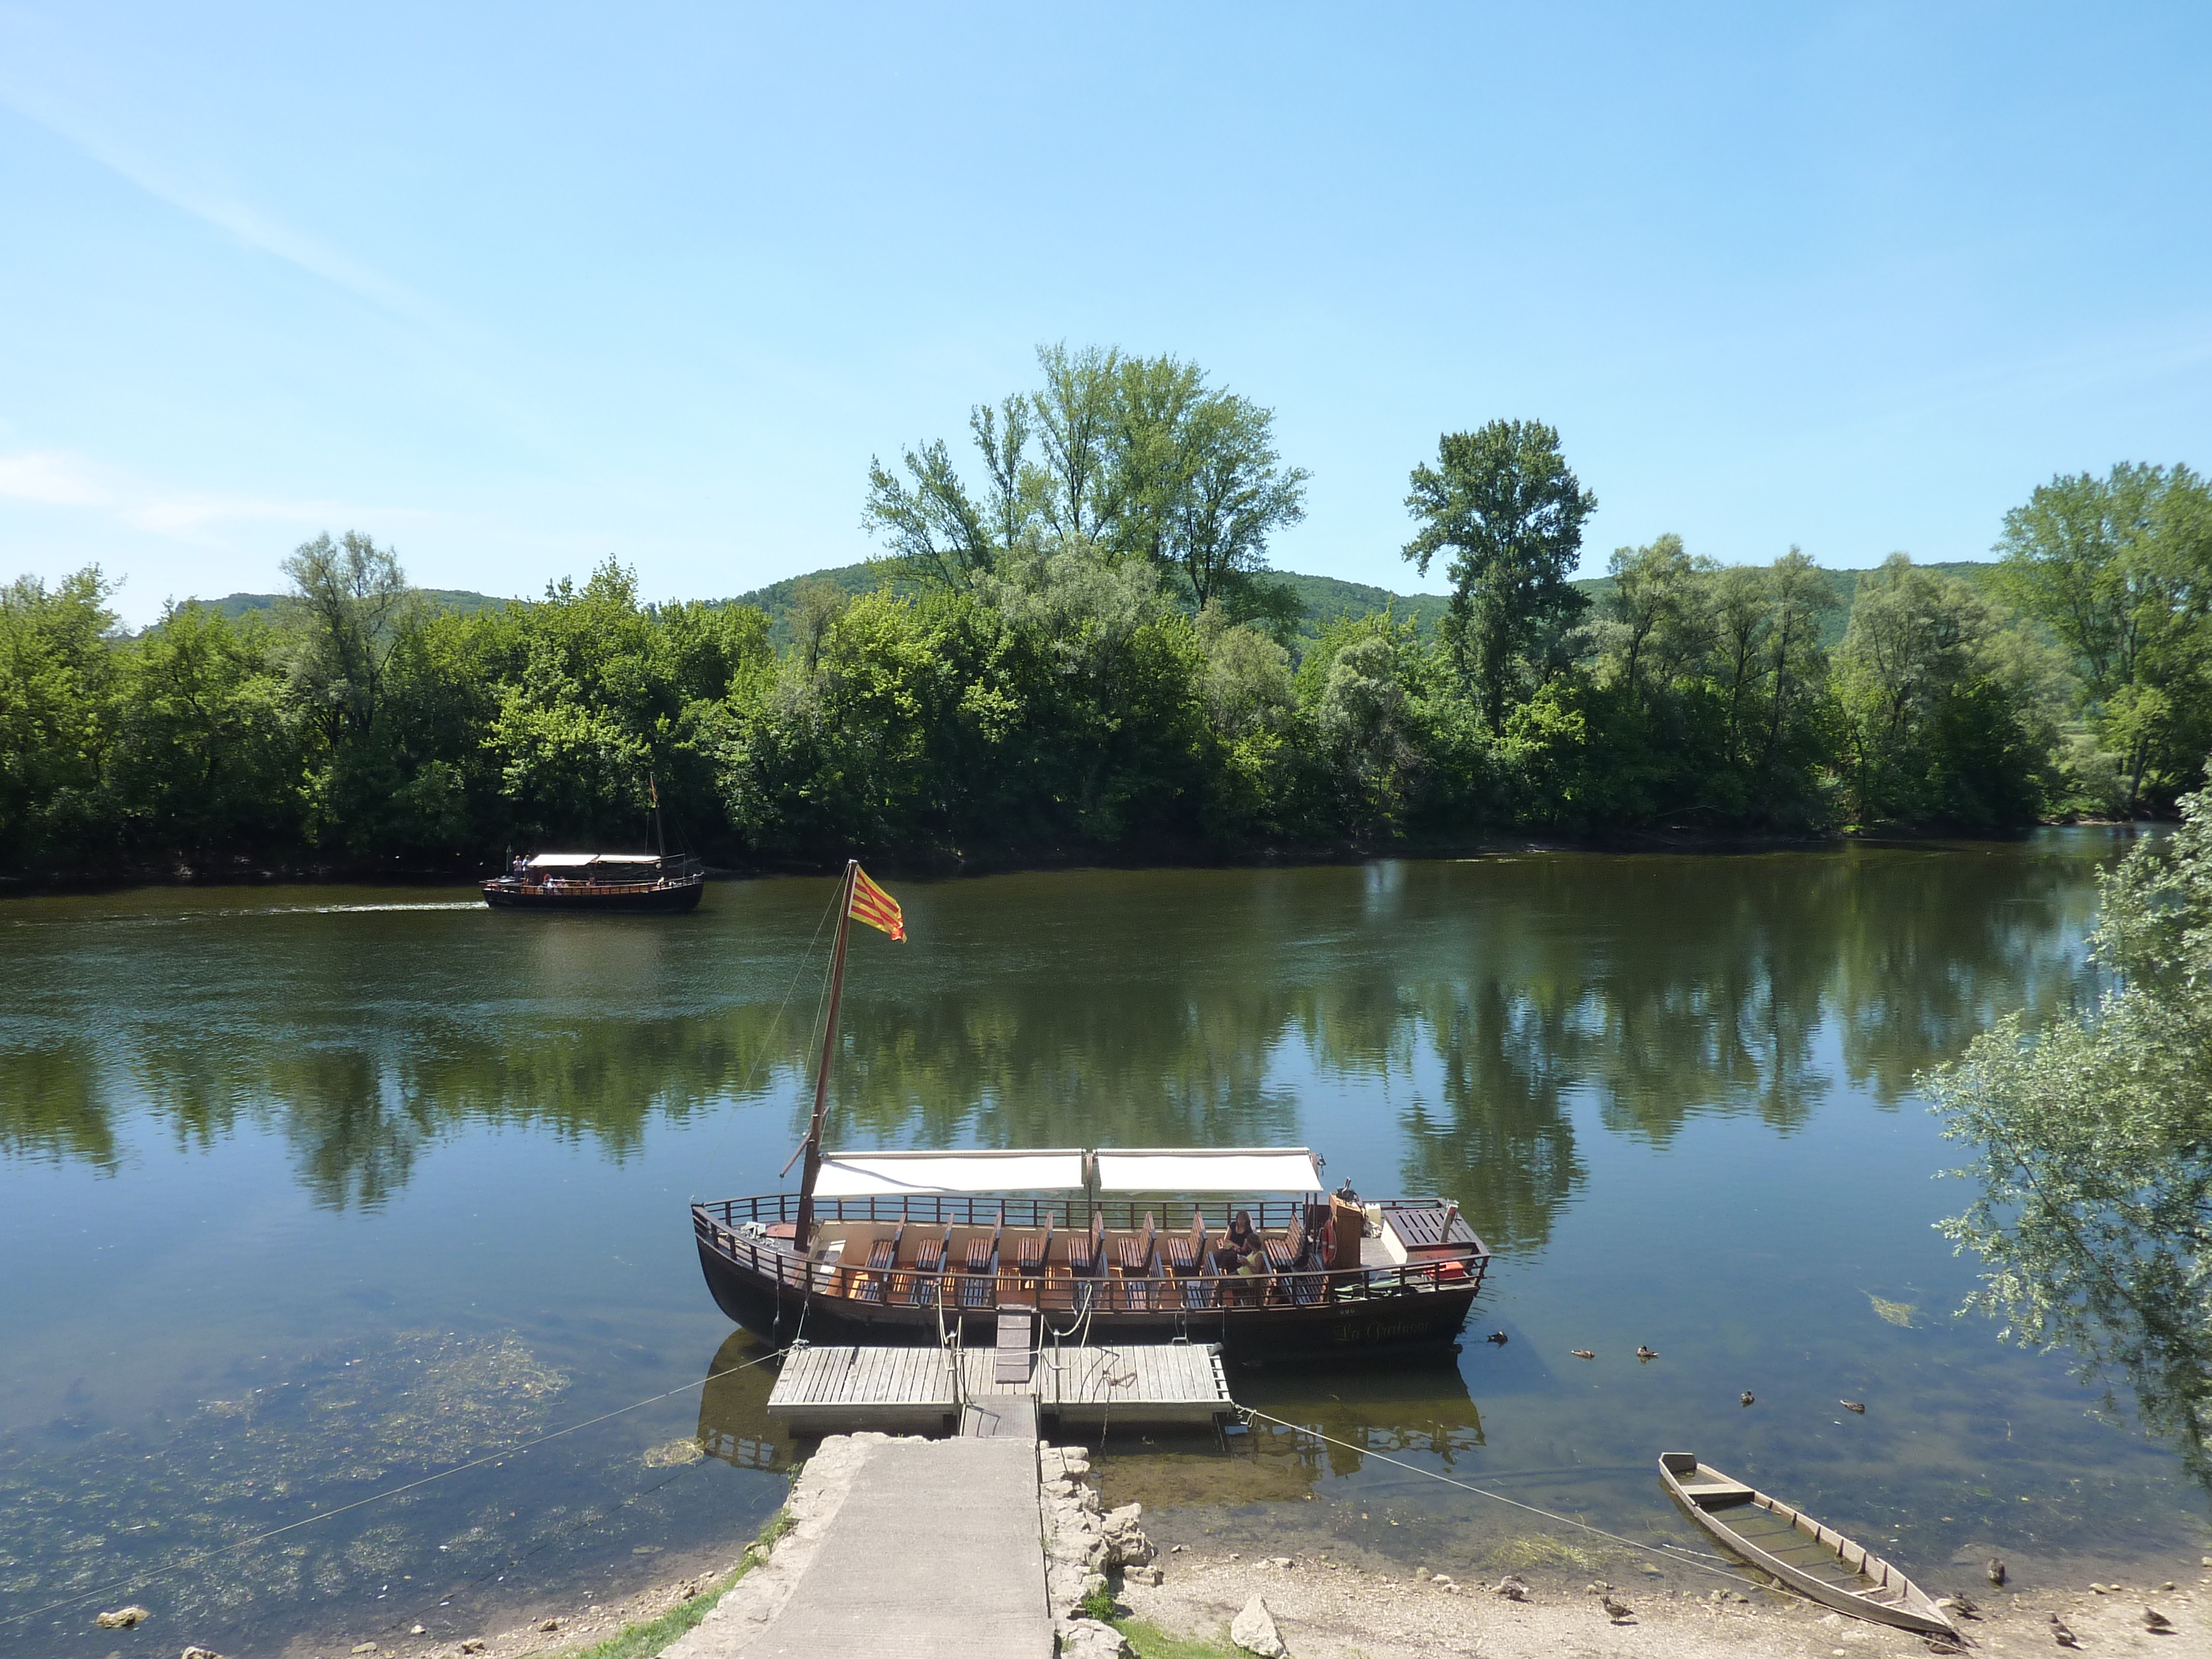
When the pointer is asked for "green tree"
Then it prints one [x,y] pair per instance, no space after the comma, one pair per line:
[2119,569]
[56,673]
[1946,718]
[933,526]
[1076,413]
[1659,605]
[352,607]
[1198,486]
[2091,1140]
[1503,504]
[601,696]
[206,755]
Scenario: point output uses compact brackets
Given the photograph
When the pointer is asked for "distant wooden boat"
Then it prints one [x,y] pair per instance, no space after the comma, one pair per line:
[593,883]
[1813,1559]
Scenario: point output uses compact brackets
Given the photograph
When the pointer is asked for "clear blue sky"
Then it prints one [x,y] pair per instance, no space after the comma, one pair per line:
[515,288]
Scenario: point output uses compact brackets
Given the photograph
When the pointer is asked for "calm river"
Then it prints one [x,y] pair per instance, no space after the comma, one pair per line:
[310,1193]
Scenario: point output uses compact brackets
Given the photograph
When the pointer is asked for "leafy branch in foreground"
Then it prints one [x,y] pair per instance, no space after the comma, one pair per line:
[2093,1150]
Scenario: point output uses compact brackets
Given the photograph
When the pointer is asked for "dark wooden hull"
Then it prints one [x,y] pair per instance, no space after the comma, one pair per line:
[1358,1317]
[661,899]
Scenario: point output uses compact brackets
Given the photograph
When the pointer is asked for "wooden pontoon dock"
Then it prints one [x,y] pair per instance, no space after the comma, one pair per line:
[1012,1387]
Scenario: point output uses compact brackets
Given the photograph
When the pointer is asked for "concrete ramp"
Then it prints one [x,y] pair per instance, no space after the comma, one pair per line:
[933,1554]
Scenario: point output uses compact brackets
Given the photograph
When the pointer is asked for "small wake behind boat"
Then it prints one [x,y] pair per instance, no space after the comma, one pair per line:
[1815,1560]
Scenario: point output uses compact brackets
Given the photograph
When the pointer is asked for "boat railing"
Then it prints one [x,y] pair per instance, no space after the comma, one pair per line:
[745,1241]
[929,1210]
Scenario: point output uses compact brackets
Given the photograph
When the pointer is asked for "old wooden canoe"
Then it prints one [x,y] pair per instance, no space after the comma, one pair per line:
[1813,1559]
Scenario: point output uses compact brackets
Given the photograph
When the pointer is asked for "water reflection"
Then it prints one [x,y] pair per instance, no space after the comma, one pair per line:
[733,1421]
[1146,1007]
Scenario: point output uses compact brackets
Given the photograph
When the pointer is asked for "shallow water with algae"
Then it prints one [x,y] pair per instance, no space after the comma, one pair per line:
[307,1195]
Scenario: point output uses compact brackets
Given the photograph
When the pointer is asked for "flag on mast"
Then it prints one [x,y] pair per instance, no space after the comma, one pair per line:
[875,906]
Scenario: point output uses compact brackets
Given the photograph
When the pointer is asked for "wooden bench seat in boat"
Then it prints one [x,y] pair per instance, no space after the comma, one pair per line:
[1288,1252]
[1087,1251]
[929,1254]
[1186,1250]
[979,1285]
[1031,1251]
[1134,1250]
[871,1284]
[1718,1491]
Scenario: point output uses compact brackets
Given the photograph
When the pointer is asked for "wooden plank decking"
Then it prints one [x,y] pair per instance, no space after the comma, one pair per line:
[829,1390]
[910,1389]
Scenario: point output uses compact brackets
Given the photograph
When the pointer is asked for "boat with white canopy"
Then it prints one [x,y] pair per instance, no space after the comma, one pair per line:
[1240,1245]
[1114,1244]
[574,882]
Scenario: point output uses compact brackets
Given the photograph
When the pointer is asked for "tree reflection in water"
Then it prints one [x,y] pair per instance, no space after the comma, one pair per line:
[1483,998]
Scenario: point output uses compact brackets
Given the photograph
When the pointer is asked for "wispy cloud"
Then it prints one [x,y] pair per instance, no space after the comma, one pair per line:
[52,476]
[33,80]
[55,478]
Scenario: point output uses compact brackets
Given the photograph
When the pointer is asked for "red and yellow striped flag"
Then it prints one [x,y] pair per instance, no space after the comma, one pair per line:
[875,906]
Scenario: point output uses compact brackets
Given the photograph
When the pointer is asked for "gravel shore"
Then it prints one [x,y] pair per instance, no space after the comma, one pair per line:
[1327,1611]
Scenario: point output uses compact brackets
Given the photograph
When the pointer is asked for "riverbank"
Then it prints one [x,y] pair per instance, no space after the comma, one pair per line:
[1330,1609]
[1325,1610]
[939,864]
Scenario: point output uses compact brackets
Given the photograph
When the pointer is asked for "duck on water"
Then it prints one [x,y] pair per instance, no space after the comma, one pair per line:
[1241,1246]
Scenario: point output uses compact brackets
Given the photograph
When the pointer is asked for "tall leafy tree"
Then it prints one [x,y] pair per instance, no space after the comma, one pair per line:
[206,755]
[1076,412]
[1502,504]
[352,605]
[2090,1147]
[1199,486]
[932,525]
[2119,569]
[1940,724]
[56,670]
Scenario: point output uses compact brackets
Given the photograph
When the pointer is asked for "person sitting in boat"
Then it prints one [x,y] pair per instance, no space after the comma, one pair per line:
[1241,1249]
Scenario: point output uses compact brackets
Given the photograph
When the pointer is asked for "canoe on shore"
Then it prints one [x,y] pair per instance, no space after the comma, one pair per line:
[1815,1560]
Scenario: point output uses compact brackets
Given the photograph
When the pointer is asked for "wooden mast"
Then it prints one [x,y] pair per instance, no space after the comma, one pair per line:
[802,1236]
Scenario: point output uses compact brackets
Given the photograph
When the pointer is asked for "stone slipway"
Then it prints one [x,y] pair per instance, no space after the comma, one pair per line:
[929,1549]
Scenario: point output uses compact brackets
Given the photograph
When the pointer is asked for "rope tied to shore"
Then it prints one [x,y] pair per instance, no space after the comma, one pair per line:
[1677,1553]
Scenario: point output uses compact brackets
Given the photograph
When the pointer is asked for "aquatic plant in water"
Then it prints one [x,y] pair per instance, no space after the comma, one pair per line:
[79,1512]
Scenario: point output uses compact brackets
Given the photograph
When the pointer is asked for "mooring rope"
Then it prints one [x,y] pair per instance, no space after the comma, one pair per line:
[1679,1553]
[154,1573]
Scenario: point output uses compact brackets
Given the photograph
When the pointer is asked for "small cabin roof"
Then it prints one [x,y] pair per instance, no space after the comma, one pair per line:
[577,860]
[1209,1170]
[893,1175]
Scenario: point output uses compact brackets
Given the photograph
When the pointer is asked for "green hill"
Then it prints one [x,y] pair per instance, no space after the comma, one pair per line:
[1325,599]
[235,606]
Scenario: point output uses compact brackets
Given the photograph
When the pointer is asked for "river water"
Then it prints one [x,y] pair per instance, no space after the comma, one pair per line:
[306,1193]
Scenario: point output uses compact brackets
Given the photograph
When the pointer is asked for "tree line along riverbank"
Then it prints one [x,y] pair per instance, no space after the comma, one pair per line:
[1091,659]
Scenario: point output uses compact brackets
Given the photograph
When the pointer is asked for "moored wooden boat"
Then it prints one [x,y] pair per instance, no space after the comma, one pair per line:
[1815,1560]
[1237,1245]
[905,1246]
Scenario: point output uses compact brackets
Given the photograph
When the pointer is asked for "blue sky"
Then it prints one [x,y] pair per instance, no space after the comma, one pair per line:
[516,289]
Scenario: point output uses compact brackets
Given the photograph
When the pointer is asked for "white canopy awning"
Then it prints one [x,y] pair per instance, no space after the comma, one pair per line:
[873,1175]
[1208,1169]
[577,860]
